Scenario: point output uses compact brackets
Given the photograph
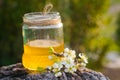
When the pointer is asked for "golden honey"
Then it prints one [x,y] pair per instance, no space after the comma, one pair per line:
[36,53]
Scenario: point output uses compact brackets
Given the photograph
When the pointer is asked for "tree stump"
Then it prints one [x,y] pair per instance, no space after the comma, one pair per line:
[18,72]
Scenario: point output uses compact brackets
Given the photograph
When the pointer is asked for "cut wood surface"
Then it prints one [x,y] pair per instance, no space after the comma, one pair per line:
[18,72]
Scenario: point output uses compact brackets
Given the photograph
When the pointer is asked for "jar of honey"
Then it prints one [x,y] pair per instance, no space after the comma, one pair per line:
[40,32]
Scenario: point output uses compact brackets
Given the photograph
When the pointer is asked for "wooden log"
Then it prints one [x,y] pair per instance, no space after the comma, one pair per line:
[18,72]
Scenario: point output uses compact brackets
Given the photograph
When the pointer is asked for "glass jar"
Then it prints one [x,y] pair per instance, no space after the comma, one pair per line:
[40,32]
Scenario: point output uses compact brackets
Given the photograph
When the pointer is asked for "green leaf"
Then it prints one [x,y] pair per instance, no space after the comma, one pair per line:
[41,69]
[51,50]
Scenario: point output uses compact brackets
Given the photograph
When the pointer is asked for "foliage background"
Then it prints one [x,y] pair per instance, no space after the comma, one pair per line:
[88,27]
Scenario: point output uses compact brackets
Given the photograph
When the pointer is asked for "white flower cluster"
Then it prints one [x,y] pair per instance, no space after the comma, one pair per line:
[69,63]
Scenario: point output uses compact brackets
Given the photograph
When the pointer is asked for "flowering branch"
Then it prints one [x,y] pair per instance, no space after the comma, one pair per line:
[68,63]
[55,53]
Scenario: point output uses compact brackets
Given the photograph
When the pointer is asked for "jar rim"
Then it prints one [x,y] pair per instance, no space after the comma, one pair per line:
[42,13]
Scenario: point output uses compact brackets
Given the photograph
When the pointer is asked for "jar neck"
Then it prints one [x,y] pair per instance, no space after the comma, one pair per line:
[40,19]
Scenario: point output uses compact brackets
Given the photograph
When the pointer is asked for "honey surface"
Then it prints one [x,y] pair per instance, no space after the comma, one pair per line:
[36,53]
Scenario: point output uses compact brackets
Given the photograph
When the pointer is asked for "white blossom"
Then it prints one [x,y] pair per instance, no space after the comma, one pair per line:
[83,58]
[55,69]
[65,54]
[67,66]
[55,65]
[60,66]
[49,67]
[63,62]
[80,54]
[74,69]
[58,74]
[66,50]
[66,70]
[83,64]
[50,57]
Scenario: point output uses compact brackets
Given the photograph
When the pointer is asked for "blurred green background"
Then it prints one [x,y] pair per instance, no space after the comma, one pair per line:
[90,26]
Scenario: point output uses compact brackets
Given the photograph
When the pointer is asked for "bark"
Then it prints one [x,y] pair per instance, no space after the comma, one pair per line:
[18,72]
